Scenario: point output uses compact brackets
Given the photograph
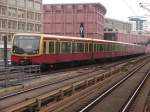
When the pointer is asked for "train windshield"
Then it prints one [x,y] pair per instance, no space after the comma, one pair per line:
[26,44]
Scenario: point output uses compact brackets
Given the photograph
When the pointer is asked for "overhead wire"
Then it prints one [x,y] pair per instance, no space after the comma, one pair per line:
[129,7]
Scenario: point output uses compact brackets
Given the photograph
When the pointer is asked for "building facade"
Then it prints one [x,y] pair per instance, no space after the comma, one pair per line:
[80,20]
[137,23]
[116,25]
[19,16]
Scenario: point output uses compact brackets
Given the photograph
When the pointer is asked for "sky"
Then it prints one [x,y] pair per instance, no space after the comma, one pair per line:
[116,9]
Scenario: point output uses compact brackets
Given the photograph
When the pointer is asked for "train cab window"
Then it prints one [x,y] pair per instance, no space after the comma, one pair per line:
[51,47]
[80,47]
[66,47]
[57,47]
[90,47]
[73,47]
[86,47]
[44,48]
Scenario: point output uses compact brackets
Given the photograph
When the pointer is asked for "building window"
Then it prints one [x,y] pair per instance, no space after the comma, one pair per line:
[30,27]
[21,26]
[21,3]
[2,10]
[9,38]
[37,16]
[3,1]
[2,24]
[2,36]
[30,4]
[21,14]
[37,28]
[39,1]
[12,24]
[30,15]
[12,12]
[37,6]
[12,2]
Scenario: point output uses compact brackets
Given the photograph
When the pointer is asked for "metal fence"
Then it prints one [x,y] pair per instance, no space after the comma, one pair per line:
[15,75]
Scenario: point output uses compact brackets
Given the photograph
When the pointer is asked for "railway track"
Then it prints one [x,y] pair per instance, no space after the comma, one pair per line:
[29,95]
[37,95]
[121,96]
[12,76]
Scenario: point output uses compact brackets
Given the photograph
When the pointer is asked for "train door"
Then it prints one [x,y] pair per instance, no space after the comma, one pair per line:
[44,47]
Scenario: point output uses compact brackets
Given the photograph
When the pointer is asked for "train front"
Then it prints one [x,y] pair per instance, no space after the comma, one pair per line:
[24,48]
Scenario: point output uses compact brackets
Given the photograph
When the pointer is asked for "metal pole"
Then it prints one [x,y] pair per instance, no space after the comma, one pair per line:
[5,50]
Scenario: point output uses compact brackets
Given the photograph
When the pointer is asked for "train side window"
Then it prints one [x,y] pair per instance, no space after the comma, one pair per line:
[57,47]
[86,47]
[101,47]
[104,47]
[51,47]
[80,47]
[65,47]
[109,47]
[119,47]
[116,48]
[90,47]
[95,50]
[73,47]
[96,47]
[44,47]
[113,47]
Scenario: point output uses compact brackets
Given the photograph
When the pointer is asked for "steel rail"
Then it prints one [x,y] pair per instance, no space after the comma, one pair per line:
[90,105]
[132,98]
[38,87]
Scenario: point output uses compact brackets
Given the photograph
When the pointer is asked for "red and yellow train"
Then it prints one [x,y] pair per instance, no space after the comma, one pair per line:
[51,49]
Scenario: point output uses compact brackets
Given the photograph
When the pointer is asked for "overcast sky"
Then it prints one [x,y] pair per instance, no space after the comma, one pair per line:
[116,9]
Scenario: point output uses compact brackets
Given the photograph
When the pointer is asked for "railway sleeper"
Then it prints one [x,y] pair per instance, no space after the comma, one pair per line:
[60,94]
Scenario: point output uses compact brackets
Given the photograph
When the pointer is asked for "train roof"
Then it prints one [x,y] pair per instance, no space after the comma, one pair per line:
[75,38]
